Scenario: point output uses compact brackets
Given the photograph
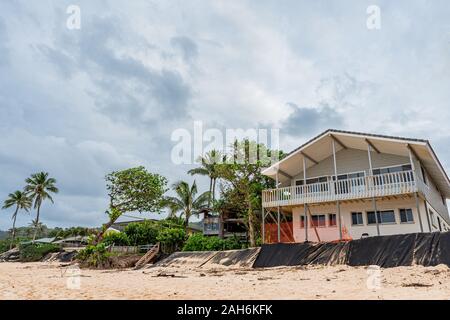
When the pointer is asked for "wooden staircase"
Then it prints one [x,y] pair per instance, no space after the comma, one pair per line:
[149,256]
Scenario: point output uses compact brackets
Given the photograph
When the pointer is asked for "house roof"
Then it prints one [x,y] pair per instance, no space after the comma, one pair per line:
[319,148]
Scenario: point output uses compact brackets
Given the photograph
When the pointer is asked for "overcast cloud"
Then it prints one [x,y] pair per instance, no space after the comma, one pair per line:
[81,103]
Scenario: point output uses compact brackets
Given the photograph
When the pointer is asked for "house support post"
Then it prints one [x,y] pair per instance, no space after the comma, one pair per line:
[416,194]
[263,226]
[278,212]
[305,205]
[338,207]
[372,184]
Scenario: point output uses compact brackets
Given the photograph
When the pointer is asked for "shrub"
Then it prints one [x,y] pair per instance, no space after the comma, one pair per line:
[199,242]
[116,238]
[35,252]
[142,233]
[94,256]
[5,245]
[171,238]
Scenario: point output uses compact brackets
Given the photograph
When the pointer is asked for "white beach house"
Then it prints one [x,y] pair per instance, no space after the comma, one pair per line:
[330,188]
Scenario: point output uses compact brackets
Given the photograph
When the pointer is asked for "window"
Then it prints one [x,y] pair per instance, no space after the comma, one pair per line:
[424,175]
[302,221]
[318,184]
[381,179]
[318,220]
[312,180]
[357,218]
[332,220]
[432,218]
[386,217]
[406,216]
[348,182]
[405,167]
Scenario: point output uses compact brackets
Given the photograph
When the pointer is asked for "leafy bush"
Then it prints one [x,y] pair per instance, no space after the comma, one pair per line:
[94,256]
[171,238]
[116,238]
[5,245]
[199,242]
[142,233]
[35,252]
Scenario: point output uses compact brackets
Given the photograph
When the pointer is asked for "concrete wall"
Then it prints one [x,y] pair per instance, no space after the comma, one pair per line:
[355,232]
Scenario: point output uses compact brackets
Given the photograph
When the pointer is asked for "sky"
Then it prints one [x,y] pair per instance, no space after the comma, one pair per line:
[81,102]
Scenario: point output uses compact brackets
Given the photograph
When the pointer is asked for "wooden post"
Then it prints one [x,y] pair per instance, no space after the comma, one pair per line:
[304,203]
[369,149]
[416,197]
[278,213]
[338,207]
[263,227]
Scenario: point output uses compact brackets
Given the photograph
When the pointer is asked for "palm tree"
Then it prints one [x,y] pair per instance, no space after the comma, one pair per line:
[209,168]
[39,186]
[37,226]
[21,201]
[186,202]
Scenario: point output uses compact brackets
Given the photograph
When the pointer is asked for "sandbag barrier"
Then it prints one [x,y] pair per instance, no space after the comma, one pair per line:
[427,249]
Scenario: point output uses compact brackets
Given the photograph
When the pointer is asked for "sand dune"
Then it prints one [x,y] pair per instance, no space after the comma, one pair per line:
[57,281]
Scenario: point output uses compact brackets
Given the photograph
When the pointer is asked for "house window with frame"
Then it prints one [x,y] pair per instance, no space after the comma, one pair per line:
[302,221]
[432,218]
[384,217]
[406,216]
[332,220]
[318,221]
[357,219]
[348,182]
[379,179]
[318,184]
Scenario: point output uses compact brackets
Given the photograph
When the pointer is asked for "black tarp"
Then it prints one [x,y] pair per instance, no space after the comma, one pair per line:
[383,251]
[282,254]
[432,249]
[327,254]
[427,249]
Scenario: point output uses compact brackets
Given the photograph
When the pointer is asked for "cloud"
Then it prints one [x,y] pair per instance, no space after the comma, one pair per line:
[80,103]
[187,47]
[304,122]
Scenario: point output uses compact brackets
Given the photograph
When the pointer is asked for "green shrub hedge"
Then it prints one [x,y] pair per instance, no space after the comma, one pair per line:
[35,252]
[199,242]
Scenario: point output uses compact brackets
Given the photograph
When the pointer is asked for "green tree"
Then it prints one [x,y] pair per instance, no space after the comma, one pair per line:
[209,164]
[186,201]
[133,189]
[22,202]
[242,172]
[39,187]
[38,228]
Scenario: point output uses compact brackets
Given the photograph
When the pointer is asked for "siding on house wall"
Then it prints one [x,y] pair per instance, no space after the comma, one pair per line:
[355,232]
[351,160]
[436,197]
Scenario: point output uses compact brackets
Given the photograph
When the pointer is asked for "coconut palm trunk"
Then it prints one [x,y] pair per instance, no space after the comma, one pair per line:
[14,228]
[37,222]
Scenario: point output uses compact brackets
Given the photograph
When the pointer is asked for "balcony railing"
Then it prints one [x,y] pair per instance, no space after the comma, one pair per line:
[355,188]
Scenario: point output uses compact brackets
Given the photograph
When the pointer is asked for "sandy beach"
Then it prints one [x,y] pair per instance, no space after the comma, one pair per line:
[60,281]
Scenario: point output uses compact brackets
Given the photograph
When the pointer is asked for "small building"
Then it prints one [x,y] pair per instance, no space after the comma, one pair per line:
[347,185]
[224,225]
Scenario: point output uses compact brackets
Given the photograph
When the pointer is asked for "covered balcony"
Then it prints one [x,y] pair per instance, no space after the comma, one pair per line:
[389,184]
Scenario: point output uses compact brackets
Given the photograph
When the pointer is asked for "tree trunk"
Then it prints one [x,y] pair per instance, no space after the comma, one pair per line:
[106,226]
[251,224]
[37,223]
[214,189]
[210,191]
[14,228]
